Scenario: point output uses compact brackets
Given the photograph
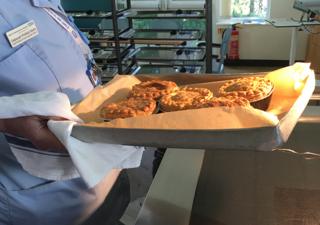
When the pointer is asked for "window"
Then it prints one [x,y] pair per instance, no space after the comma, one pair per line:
[250,8]
[245,8]
[167,4]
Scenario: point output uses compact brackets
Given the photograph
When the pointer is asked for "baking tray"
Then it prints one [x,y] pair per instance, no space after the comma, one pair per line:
[89,14]
[108,55]
[171,54]
[161,69]
[109,71]
[168,14]
[155,34]
[258,138]
[95,35]
[159,63]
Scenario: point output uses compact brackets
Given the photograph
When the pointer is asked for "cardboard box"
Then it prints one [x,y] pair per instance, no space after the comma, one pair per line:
[208,128]
[313,50]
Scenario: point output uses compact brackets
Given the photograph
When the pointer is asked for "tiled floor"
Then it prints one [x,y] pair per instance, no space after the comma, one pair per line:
[141,177]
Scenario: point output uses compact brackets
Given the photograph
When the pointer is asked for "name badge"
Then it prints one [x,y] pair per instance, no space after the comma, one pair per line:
[22,33]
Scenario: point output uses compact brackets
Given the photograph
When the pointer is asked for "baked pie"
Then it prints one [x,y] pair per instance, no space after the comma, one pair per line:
[224,101]
[128,108]
[251,88]
[153,89]
[185,98]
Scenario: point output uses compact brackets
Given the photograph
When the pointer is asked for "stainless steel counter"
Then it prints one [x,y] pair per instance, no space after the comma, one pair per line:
[170,197]
[240,187]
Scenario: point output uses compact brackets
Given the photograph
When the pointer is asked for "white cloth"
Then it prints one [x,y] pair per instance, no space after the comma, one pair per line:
[92,161]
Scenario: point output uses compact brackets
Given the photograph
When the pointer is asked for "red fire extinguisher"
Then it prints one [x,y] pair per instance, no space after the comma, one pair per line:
[233,53]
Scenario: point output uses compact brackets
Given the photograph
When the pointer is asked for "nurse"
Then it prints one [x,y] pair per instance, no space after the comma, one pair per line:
[41,49]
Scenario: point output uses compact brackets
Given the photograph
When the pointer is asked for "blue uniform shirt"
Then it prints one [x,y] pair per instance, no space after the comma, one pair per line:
[50,61]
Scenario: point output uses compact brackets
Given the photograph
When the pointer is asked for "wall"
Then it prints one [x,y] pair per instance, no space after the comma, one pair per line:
[265,42]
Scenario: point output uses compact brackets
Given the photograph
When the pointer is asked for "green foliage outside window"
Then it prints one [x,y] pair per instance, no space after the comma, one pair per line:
[249,8]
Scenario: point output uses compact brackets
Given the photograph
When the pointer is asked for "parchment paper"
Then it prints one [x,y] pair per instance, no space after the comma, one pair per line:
[284,96]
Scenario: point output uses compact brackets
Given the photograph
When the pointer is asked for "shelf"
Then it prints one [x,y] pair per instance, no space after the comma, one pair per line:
[160,34]
[94,5]
[109,43]
[108,50]
[171,63]
[108,55]
[132,69]
[178,14]
[171,54]
[168,69]
[98,36]
[94,14]
[178,46]
[161,42]
[89,14]
[154,36]
[109,71]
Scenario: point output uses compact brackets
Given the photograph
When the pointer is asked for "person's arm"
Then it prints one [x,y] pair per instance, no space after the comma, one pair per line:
[35,129]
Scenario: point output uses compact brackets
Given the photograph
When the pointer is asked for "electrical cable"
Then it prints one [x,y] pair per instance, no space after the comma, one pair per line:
[305,26]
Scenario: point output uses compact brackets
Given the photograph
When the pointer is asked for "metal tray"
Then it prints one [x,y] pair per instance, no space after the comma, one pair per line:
[260,138]
[89,14]
[109,71]
[171,54]
[106,35]
[154,34]
[96,13]
[108,55]
[161,69]
[170,14]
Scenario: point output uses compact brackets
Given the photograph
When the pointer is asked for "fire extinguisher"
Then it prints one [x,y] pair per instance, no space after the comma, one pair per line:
[233,53]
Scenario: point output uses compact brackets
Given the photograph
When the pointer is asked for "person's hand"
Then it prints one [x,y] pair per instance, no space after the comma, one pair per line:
[34,128]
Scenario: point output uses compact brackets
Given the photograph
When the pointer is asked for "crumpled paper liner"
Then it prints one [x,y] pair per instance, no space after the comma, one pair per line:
[288,81]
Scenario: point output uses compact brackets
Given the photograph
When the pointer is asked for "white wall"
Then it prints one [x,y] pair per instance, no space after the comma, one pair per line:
[270,43]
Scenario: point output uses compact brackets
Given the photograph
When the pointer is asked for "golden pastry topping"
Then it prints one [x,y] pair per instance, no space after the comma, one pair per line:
[153,89]
[128,108]
[225,101]
[184,99]
[251,88]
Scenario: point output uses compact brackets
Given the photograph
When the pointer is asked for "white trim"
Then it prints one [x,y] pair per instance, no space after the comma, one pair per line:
[186,4]
[150,4]
[164,4]
[269,10]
